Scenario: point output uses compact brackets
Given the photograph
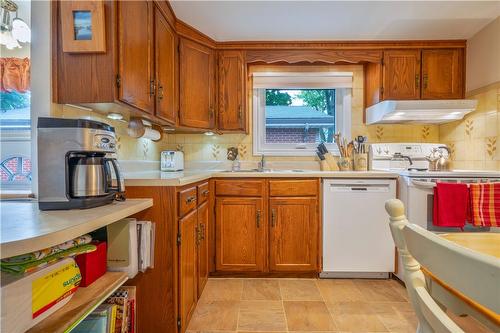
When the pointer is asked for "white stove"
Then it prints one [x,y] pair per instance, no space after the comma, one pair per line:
[416,184]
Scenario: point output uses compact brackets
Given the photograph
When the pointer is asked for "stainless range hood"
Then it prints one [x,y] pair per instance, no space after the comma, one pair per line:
[419,111]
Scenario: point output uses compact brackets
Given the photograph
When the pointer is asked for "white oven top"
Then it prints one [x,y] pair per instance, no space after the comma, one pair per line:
[451,174]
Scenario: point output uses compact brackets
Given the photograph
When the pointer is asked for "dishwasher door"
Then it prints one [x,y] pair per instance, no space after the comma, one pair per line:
[357,241]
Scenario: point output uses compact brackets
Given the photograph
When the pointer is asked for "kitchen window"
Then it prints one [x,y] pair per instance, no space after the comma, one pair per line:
[294,112]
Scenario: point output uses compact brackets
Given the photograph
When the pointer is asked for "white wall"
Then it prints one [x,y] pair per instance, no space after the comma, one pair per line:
[483,57]
[40,74]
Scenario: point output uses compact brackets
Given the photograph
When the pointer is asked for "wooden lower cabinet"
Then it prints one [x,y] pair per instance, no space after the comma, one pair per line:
[188,274]
[240,234]
[293,235]
[202,245]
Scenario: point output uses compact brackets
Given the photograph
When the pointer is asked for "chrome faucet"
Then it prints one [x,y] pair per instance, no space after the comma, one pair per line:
[262,164]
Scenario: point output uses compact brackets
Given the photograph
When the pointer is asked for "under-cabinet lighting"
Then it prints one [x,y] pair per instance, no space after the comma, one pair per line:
[209,133]
[115,116]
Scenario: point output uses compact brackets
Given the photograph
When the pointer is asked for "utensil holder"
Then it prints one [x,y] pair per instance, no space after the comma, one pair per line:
[345,164]
[361,162]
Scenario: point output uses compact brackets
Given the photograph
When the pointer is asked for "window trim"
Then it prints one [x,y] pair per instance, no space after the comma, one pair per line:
[343,100]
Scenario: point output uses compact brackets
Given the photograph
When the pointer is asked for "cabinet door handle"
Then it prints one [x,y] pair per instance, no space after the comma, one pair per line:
[160,91]
[211,112]
[258,218]
[202,232]
[190,199]
[205,193]
[417,80]
[151,88]
[426,81]
[273,217]
[240,113]
[198,235]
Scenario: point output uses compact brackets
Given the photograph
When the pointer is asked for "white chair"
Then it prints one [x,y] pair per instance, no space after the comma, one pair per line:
[464,270]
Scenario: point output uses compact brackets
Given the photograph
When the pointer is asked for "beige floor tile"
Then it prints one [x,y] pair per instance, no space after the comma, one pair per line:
[308,316]
[215,315]
[339,290]
[299,290]
[397,317]
[261,316]
[379,290]
[261,289]
[222,290]
[356,317]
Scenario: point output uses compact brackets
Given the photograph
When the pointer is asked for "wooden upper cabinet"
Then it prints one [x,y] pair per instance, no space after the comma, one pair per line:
[188,280]
[401,74]
[240,234]
[232,97]
[202,242]
[197,85]
[293,237]
[165,69]
[442,74]
[135,54]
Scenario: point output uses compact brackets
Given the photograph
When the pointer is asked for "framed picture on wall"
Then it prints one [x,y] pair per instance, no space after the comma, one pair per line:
[83,26]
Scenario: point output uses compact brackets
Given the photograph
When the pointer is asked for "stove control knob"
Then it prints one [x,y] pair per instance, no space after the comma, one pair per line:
[386,151]
[379,150]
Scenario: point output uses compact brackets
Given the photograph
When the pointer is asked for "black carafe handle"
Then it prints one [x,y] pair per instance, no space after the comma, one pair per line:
[119,180]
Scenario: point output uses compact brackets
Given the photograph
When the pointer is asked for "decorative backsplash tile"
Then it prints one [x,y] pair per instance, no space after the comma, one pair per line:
[474,140]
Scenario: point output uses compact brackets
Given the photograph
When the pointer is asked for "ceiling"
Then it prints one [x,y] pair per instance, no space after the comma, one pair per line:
[336,20]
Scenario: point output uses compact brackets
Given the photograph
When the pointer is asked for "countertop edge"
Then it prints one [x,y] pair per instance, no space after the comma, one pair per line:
[26,245]
[186,180]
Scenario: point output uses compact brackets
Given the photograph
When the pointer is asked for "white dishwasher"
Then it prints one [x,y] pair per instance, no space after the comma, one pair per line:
[357,241]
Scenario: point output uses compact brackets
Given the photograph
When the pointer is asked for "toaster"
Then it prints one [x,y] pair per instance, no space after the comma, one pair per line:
[172,160]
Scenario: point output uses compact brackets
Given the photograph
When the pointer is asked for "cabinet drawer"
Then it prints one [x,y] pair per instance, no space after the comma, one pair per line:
[187,201]
[240,188]
[203,193]
[293,188]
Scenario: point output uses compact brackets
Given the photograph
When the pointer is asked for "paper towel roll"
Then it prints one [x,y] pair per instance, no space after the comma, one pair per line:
[151,134]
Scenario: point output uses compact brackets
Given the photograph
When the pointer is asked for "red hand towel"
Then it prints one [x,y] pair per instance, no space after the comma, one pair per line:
[451,204]
[485,204]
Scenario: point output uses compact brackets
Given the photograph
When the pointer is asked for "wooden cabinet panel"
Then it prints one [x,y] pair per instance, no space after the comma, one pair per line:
[293,234]
[197,85]
[232,80]
[293,188]
[401,74]
[165,69]
[202,243]
[240,234]
[442,74]
[188,279]
[241,188]
[135,49]
[187,200]
[203,193]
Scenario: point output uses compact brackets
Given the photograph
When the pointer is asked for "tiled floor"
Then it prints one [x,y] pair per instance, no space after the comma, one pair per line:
[305,305]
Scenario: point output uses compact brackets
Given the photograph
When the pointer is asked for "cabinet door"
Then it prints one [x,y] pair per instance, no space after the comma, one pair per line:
[240,234]
[442,74]
[188,280]
[294,234]
[135,44]
[202,242]
[197,85]
[401,74]
[232,82]
[165,69]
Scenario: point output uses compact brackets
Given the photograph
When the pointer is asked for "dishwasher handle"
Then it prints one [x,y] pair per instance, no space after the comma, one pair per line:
[360,188]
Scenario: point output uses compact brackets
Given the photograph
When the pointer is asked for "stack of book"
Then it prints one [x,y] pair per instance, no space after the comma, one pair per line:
[115,315]
[130,246]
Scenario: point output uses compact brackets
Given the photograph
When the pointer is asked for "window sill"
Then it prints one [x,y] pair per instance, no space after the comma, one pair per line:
[16,194]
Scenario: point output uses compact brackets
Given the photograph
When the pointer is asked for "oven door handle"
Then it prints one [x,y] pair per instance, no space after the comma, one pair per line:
[419,183]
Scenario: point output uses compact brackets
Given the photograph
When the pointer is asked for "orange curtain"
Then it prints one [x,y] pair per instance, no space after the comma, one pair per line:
[15,74]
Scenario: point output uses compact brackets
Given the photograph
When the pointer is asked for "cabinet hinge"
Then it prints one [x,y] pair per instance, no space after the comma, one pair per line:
[118,80]
[179,238]
[179,323]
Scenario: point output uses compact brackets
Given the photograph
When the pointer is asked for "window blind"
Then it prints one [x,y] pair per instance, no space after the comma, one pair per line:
[302,80]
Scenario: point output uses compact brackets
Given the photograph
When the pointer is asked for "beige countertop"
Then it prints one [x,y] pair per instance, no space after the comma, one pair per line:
[157,178]
[25,228]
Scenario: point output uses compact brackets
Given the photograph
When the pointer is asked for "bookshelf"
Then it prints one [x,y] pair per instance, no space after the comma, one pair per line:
[84,301]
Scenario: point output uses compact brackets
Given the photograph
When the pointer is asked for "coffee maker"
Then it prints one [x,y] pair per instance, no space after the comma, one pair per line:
[76,162]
